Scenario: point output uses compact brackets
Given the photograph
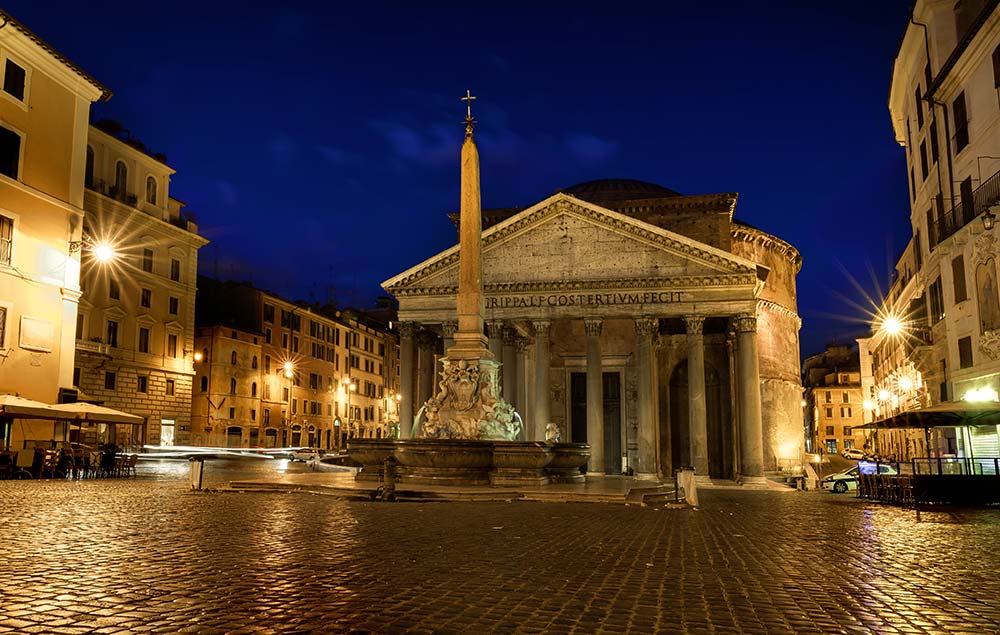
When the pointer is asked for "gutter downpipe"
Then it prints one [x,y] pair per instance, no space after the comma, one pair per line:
[947,126]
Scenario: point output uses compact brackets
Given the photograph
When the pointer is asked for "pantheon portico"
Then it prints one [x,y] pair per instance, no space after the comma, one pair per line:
[646,323]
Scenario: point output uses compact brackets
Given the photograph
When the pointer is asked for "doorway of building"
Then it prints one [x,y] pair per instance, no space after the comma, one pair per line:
[234,437]
[167,427]
[612,408]
[719,434]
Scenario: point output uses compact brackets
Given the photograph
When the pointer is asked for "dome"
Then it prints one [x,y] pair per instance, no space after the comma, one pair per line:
[603,190]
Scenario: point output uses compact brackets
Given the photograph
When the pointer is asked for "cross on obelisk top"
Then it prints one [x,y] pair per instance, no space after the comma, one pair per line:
[469,121]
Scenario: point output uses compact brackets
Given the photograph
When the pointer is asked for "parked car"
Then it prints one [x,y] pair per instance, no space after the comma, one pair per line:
[848,479]
[853,453]
[308,454]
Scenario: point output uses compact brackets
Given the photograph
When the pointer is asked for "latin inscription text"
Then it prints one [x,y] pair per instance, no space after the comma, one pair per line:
[583,299]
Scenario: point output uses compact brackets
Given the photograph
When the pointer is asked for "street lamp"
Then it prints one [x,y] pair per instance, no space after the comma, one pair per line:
[102,250]
[289,369]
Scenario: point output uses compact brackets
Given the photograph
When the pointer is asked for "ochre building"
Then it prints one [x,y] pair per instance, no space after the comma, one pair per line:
[647,323]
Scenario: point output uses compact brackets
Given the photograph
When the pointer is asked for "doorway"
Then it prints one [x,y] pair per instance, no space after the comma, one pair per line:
[612,409]
[719,439]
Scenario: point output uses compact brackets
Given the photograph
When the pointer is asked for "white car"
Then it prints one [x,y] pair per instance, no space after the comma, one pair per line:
[848,479]
[307,454]
[853,453]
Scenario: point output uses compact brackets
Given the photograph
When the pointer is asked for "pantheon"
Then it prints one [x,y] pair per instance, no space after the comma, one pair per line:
[647,323]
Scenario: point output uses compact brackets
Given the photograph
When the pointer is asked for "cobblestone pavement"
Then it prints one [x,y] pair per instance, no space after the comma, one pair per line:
[146,555]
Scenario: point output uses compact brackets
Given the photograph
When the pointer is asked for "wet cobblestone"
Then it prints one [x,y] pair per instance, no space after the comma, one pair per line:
[146,556]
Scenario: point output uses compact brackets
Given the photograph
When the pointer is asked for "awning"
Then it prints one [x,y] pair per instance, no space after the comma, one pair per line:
[14,406]
[92,413]
[943,415]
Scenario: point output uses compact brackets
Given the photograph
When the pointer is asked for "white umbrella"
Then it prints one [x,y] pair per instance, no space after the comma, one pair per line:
[83,411]
[14,406]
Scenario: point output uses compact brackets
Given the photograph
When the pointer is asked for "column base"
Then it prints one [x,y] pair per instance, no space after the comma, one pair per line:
[757,482]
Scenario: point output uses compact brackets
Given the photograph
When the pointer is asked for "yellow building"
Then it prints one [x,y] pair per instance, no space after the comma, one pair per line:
[135,332]
[271,373]
[44,107]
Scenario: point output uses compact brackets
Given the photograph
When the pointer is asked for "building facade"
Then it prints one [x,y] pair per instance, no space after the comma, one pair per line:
[834,400]
[45,104]
[271,373]
[944,103]
[648,324]
[135,329]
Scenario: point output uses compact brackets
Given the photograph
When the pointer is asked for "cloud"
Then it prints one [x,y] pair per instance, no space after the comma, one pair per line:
[588,149]
[438,145]
[334,155]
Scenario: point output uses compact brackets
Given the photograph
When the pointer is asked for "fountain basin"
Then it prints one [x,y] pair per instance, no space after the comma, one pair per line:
[371,454]
[444,461]
[567,461]
[520,463]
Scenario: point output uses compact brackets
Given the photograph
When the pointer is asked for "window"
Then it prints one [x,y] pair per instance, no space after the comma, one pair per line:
[968,201]
[253,414]
[232,413]
[204,383]
[121,180]
[958,279]
[936,301]
[142,383]
[232,386]
[284,340]
[913,185]
[143,339]
[147,259]
[965,352]
[15,80]
[253,389]
[920,108]
[114,291]
[829,397]
[232,358]
[3,325]
[924,168]
[88,172]
[112,332]
[269,313]
[267,363]
[267,417]
[253,362]
[266,391]
[146,298]
[961,122]
[996,69]
[174,306]
[846,397]
[109,380]
[170,387]
[267,335]
[847,431]
[10,152]
[934,142]
[151,190]
[175,269]
[171,345]
[845,413]
[829,415]
[848,444]
[6,239]
[831,446]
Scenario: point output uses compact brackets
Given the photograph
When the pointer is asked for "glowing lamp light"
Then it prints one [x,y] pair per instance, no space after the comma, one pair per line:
[198,357]
[905,383]
[892,325]
[979,395]
[869,404]
[103,252]
[883,395]
[288,369]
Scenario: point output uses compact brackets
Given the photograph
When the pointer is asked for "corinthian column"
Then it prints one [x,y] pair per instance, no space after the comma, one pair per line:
[494,328]
[697,415]
[406,332]
[646,458]
[509,367]
[448,328]
[541,417]
[595,397]
[751,426]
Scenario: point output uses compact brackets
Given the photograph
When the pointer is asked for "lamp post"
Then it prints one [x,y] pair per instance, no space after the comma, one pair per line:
[349,387]
[289,374]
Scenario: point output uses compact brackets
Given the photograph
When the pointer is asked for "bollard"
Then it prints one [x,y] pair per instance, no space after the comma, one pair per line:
[388,490]
[197,468]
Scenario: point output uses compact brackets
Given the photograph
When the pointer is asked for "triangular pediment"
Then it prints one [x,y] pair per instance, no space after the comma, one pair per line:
[564,240]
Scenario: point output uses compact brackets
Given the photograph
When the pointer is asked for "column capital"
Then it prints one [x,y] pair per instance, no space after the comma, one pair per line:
[426,339]
[494,328]
[541,327]
[407,329]
[745,323]
[645,327]
[694,324]
[510,335]
[593,326]
[449,327]
[521,344]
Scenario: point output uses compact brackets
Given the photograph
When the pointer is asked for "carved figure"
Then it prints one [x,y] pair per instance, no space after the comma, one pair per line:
[552,433]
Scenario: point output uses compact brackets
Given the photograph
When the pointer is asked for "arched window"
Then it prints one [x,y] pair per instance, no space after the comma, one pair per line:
[151,190]
[232,386]
[204,383]
[121,179]
[253,389]
[253,362]
[88,174]
[232,358]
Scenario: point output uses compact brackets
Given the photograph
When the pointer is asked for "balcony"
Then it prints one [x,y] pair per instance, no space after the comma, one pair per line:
[983,197]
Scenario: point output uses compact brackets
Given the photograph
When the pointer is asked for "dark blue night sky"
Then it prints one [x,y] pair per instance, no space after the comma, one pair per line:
[318,144]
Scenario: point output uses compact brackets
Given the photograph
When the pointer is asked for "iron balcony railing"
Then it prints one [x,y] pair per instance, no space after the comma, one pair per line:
[983,197]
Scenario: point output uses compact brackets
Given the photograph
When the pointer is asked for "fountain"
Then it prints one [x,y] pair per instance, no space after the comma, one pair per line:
[466,434]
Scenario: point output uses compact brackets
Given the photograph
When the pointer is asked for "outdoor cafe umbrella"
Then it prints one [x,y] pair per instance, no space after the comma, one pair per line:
[14,407]
[92,413]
